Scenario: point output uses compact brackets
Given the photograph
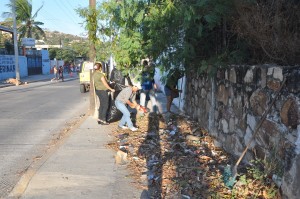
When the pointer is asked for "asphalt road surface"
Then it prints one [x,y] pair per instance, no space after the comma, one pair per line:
[30,117]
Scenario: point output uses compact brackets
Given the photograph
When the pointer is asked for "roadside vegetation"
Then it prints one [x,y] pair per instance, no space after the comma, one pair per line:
[198,34]
[27,26]
[203,35]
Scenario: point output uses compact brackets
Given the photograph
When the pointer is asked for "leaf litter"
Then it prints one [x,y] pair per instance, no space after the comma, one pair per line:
[178,159]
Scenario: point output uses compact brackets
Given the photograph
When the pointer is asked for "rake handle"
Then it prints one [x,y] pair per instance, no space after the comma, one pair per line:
[260,123]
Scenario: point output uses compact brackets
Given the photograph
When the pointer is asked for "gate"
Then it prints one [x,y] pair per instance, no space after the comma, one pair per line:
[34,62]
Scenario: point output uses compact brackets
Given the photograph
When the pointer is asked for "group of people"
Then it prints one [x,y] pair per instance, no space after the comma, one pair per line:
[127,95]
[58,73]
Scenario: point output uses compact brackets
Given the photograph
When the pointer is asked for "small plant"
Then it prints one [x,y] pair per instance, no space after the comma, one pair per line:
[272,192]
[256,171]
[243,180]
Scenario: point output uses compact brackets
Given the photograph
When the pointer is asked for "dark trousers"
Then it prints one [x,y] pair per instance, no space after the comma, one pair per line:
[103,98]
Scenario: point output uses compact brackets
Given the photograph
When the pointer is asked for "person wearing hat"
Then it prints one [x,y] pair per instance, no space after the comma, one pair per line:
[101,89]
[127,96]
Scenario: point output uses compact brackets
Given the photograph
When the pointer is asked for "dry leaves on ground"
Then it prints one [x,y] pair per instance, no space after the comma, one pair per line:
[178,159]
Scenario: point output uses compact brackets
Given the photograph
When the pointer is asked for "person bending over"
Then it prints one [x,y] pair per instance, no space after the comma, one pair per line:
[127,96]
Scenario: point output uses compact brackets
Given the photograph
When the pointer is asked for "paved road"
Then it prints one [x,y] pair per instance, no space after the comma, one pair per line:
[30,117]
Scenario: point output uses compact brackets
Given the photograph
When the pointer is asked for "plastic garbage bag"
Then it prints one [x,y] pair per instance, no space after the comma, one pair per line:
[113,114]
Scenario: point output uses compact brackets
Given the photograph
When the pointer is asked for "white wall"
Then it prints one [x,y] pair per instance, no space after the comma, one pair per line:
[45,62]
[179,102]
[8,69]
[56,62]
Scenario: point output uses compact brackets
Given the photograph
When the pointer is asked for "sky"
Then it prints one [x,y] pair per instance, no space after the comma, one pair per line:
[56,15]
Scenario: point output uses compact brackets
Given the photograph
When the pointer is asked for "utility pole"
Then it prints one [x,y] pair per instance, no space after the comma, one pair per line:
[92,3]
[16,44]
[92,56]
[92,29]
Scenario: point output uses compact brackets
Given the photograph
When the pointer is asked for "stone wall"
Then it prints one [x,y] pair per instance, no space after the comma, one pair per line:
[232,104]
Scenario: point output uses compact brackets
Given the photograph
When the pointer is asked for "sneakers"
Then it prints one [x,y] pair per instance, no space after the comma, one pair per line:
[133,129]
[123,127]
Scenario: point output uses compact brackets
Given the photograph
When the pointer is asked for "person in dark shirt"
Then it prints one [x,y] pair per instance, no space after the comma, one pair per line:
[61,73]
[171,90]
[148,86]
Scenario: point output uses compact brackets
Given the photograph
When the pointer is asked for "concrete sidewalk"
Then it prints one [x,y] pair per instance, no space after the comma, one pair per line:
[82,167]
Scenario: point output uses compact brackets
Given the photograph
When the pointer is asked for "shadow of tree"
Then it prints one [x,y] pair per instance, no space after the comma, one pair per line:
[177,167]
[152,175]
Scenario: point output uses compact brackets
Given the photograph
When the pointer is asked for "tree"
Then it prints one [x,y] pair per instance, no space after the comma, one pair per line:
[124,19]
[27,26]
[271,28]
[91,24]
[200,35]
[172,33]
[70,52]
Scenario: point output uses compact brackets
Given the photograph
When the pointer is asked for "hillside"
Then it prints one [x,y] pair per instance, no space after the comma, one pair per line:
[57,38]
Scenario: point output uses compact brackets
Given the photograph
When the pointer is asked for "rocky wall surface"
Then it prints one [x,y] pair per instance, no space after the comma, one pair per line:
[232,104]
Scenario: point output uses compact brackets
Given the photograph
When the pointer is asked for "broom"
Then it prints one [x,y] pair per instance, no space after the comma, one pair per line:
[230,174]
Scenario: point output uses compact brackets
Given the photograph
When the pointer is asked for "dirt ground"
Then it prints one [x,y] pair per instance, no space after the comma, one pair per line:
[173,157]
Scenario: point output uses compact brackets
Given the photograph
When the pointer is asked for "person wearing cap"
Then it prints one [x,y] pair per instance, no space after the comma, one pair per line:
[127,96]
[101,89]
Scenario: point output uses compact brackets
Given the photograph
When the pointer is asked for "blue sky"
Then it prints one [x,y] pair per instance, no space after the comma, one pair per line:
[57,15]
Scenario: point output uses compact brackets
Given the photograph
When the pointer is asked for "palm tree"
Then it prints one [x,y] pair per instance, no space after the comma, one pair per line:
[27,26]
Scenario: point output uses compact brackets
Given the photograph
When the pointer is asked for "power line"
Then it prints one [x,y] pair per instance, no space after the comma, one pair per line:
[66,10]
[57,22]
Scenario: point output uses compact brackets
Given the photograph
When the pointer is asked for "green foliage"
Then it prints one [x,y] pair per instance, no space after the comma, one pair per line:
[72,45]
[26,23]
[9,47]
[195,34]
[91,24]
[70,52]
[265,168]
[257,173]
[243,180]
[156,29]
[272,191]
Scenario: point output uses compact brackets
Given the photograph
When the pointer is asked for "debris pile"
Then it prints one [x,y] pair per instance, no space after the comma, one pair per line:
[178,159]
[14,81]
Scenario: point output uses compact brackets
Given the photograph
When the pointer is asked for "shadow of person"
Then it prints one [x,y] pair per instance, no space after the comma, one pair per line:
[150,150]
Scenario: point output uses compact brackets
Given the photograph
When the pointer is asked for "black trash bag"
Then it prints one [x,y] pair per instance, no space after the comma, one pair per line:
[119,79]
[113,113]
[119,87]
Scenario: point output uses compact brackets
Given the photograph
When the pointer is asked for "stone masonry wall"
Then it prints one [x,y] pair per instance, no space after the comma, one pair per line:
[232,104]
